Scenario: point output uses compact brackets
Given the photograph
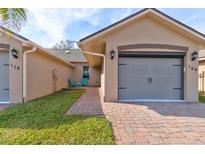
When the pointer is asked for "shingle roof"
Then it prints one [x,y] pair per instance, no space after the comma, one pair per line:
[75,55]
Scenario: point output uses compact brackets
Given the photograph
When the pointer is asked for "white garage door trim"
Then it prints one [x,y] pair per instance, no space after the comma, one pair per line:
[164,55]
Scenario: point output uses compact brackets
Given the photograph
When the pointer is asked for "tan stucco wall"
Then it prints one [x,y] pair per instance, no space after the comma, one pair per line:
[146,30]
[77,74]
[15,75]
[40,80]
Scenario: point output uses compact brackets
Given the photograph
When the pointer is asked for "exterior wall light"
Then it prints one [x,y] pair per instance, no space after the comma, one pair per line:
[112,54]
[14,53]
[194,55]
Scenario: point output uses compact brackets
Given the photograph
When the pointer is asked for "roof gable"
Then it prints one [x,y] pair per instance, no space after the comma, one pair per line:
[151,11]
[26,42]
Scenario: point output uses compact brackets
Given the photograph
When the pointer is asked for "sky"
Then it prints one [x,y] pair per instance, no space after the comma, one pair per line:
[48,26]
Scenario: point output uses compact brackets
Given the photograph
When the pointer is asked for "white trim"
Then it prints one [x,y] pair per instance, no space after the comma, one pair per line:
[203,58]
[149,100]
[4,102]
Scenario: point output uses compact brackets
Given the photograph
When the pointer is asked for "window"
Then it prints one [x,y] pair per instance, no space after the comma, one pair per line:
[86,71]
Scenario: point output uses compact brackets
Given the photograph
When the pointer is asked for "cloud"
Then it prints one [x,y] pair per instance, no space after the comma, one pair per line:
[48,26]
[121,13]
[193,17]
[51,24]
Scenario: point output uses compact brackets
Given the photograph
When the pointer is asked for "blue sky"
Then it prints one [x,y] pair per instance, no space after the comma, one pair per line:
[47,26]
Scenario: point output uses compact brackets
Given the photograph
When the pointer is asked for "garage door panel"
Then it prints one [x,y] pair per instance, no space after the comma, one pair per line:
[4,76]
[150,78]
[129,79]
[166,78]
[129,90]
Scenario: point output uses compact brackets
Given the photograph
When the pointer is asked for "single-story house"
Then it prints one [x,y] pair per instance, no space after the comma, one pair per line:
[28,71]
[146,56]
[202,72]
[82,68]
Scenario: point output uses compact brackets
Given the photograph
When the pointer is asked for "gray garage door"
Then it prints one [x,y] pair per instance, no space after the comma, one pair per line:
[150,78]
[4,76]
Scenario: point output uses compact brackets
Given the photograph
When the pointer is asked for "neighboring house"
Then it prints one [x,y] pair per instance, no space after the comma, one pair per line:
[146,56]
[82,68]
[202,72]
[28,71]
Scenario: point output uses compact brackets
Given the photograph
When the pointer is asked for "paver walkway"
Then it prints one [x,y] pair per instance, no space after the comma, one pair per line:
[148,123]
[88,104]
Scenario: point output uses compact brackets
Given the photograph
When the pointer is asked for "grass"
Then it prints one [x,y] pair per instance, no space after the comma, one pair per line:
[43,121]
[202,99]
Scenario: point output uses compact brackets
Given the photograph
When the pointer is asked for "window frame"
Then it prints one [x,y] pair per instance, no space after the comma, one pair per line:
[86,71]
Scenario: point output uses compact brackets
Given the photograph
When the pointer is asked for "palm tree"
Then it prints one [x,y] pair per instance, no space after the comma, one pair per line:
[13,18]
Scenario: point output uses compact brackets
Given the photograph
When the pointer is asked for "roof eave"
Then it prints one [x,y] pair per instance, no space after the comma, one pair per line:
[30,43]
[13,34]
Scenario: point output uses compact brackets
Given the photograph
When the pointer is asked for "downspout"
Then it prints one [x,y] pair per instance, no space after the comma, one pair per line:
[25,71]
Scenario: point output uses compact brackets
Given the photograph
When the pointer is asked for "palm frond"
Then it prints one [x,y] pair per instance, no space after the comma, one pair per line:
[13,18]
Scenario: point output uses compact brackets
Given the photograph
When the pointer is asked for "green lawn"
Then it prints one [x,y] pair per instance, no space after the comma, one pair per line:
[43,121]
[202,99]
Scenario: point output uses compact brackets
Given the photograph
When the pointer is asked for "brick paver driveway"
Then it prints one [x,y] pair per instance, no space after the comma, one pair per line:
[157,123]
[151,123]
